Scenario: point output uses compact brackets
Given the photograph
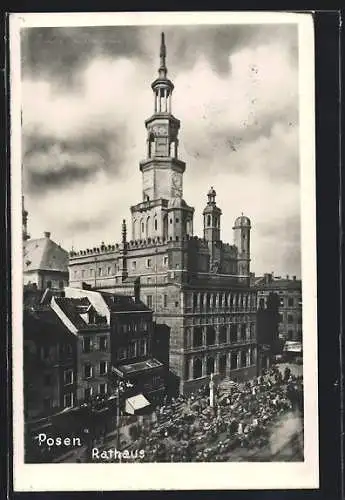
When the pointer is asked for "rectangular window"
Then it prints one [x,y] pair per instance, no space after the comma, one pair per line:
[45,351]
[47,403]
[82,273]
[99,271]
[149,280]
[132,350]
[86,344]
[87,370]
[68,377]
[121,353]
[165,261]
[290,318]
[109,271]
[91,272]
[148,263]
[87,393]
[149,300]
[103,368]
[68,400]
[143,347]
[103,344]
[165,300]
[290,302]
[281,318]
[134,265]
[102,388]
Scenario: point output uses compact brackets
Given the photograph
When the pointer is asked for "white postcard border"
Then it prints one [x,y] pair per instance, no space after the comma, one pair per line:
[174,476]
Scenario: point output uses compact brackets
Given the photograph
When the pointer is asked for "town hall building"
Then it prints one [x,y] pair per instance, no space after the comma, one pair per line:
[198,286]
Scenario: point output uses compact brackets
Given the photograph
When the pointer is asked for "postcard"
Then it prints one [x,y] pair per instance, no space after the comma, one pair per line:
[164,251]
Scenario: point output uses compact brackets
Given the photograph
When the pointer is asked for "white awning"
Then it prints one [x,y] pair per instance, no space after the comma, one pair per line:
[136,403]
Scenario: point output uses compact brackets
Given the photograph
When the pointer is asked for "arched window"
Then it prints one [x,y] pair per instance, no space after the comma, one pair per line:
[222,334]
[142,225]
[214,300]
[222,365]
[210,366]
[165,226]
[156,224]
[233,333]
[243,331]
[243,359]
[208,300]
[233,360]
[197,368]
[210,335]
[197,336]
[208,220]
[135,230]
[148,222]
[195,300]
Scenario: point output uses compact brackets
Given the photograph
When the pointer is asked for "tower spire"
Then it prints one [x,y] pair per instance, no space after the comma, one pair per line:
[162,54]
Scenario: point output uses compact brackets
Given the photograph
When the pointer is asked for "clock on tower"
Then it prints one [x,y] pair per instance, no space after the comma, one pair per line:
[176,185]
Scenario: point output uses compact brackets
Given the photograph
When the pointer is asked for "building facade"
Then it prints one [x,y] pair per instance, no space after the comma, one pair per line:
[50,354]
[45,263]
[289,291]
[198,287]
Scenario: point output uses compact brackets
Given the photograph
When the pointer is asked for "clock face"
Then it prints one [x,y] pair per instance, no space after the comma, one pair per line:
[177,184]
[160,131]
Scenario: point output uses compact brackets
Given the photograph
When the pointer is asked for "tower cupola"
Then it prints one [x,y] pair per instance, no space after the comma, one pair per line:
[212,216]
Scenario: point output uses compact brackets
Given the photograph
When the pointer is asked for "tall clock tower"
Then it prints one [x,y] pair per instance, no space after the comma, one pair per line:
[162,170]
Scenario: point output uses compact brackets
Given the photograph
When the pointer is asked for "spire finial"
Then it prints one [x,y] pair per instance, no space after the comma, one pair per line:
[162,54]
[163,51]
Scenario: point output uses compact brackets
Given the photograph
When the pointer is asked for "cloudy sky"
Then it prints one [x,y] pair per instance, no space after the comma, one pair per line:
[86,93]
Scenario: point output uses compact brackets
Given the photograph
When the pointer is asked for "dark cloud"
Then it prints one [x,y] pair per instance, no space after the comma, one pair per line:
[60,53]
[41,182]
[53,164]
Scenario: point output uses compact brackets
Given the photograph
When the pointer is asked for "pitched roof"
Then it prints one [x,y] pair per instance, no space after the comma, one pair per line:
[44,254]
[120,303]
[43,320]
[74,307]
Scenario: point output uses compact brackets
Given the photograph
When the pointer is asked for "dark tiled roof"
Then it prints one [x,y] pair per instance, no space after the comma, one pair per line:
[120,303]
[73,308]
[45,321]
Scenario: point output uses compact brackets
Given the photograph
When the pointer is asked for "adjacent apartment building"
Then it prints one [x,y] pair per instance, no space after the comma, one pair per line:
[289,291]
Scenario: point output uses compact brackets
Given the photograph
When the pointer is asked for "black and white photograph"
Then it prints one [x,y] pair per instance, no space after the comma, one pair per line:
[163,232]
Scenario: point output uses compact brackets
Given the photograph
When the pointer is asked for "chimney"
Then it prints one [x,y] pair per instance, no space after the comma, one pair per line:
[137,290]
[268,278]
[46,234]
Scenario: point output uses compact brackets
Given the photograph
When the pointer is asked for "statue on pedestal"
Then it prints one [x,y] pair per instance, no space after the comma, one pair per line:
[211,386]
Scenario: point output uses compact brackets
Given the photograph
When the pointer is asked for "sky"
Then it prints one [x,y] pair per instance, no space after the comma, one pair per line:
[86,93]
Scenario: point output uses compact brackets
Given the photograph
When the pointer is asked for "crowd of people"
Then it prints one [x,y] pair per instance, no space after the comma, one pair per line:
[189,429]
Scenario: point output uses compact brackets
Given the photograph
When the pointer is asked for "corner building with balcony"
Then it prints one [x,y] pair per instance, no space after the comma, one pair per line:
[199,287]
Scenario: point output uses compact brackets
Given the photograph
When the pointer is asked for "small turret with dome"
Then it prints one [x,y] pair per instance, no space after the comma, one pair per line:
[242,227]
[212,216]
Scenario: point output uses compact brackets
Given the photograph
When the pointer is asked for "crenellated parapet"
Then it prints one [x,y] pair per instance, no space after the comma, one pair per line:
[102,249]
